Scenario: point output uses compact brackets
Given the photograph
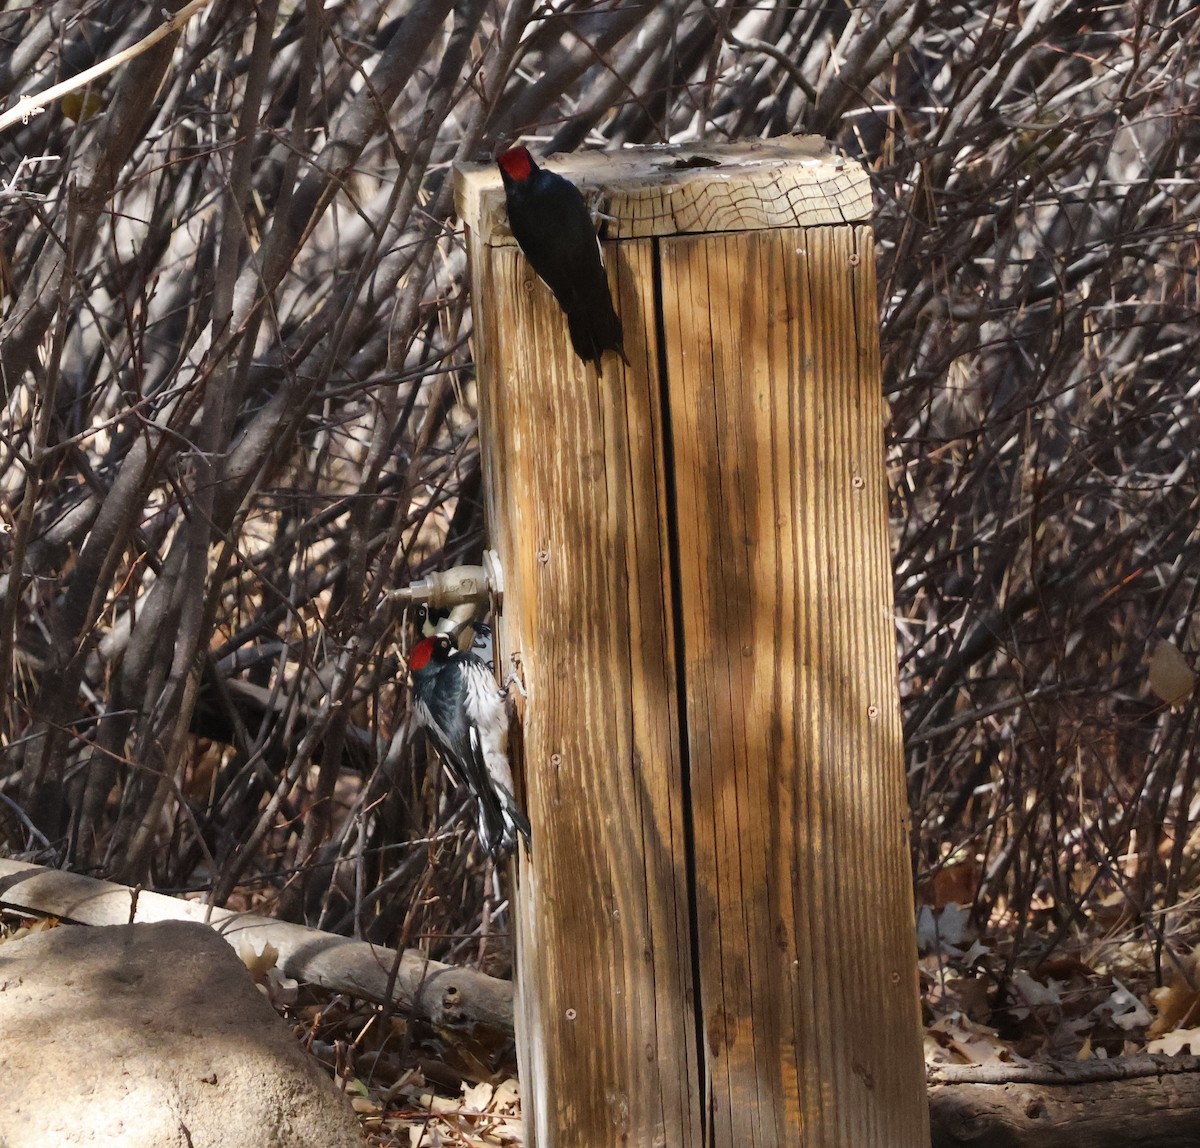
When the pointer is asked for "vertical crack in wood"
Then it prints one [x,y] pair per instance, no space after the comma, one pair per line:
[685,772]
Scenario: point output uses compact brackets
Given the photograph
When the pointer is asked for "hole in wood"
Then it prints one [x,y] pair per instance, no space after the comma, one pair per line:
[686,162]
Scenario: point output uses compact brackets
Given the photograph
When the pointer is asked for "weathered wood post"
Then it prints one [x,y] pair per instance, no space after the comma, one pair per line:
[715,934]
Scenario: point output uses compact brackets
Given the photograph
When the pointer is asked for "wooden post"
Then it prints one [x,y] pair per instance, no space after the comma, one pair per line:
[715,931]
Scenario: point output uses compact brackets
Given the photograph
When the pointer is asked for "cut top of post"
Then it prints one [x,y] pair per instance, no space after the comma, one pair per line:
[751,185]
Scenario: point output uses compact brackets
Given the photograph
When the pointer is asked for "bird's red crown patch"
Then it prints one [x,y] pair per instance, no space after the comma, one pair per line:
[419,655]
[516,163]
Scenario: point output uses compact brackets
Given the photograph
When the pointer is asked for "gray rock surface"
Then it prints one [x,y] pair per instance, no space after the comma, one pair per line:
[152,1036]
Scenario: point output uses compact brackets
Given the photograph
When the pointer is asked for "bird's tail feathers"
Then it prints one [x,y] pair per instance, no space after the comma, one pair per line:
[501,822]
[595,330]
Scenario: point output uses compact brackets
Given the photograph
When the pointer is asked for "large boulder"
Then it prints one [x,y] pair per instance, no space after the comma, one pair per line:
[152,1036]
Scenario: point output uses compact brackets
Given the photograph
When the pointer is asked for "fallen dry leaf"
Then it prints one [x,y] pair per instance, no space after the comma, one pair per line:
[956,1039]
[258,964]
[942,930]
[1183,1040]
[1178,1003]
[1127,1011]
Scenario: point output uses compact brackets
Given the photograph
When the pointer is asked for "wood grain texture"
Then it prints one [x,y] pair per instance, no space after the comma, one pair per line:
[715,938]
[1150,1112]
[577,511]
[793,734]
[789,181]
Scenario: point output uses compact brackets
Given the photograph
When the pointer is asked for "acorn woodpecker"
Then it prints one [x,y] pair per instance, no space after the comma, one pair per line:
[551,224]
[460,707]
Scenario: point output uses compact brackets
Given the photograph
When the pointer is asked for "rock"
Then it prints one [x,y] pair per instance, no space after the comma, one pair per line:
[152,1036]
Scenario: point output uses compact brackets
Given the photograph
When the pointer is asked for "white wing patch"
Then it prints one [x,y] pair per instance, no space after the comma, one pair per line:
[489,724]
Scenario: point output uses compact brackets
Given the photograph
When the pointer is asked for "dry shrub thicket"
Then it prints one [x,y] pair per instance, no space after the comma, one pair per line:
[239,406]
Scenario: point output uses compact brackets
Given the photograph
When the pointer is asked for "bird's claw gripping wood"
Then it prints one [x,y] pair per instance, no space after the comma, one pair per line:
[515,678]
